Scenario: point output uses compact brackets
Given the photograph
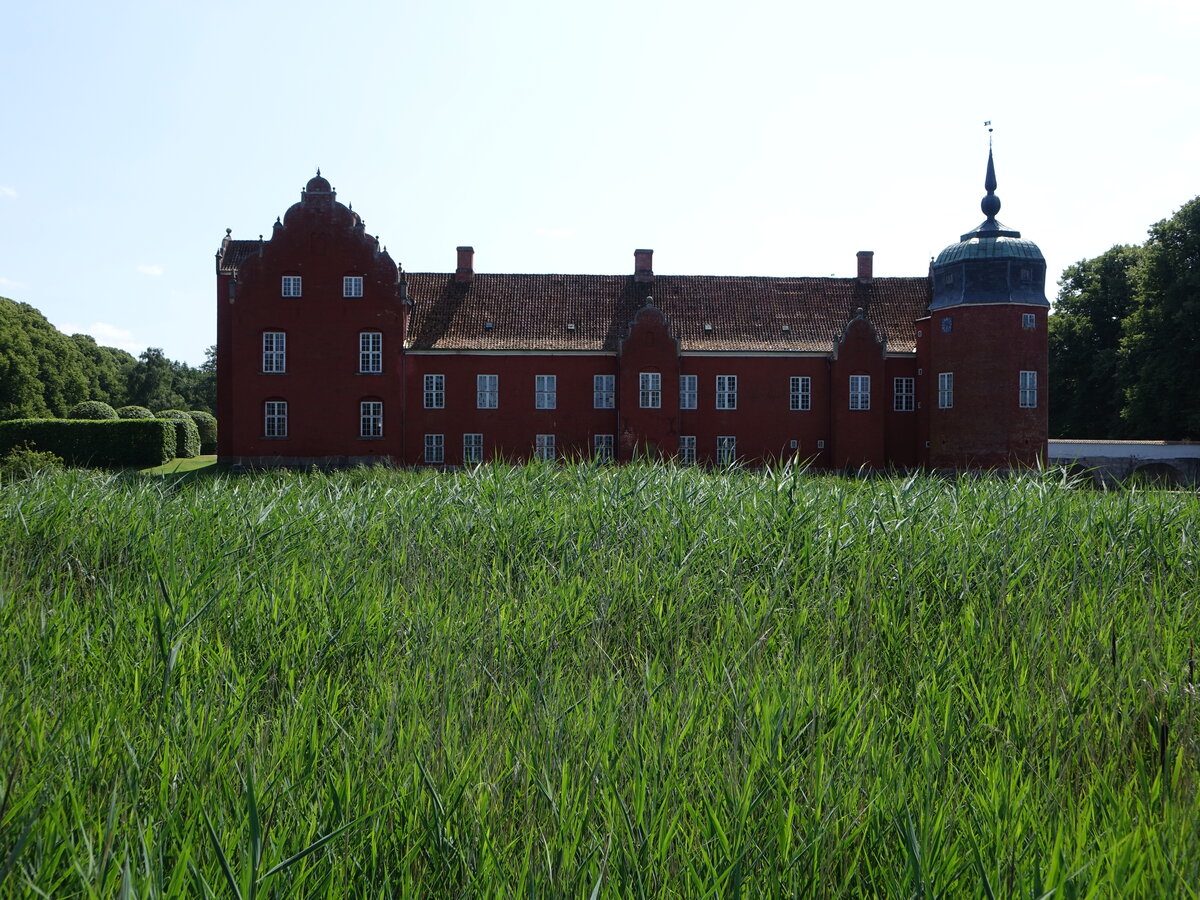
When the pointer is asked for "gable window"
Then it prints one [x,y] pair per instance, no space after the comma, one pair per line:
[687,449]
[435,391]
[650,390]
[726,392]
[274,360]
[487,391]
[860,392]
[545,394]
[352,286]
[435,448]
[904,394]
[370,419]
[726,450]
[689,391]
[544,446]
[1028,395]
[275,419]
[370,352]
[604,391]
[800,393]
[946,390]
[1028,321]
[602,447]
[291,285]
[472,448]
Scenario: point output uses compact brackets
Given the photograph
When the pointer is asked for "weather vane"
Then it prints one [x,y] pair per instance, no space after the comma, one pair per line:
[988,125]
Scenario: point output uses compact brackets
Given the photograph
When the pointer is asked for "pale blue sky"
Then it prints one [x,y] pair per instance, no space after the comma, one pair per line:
[760,137]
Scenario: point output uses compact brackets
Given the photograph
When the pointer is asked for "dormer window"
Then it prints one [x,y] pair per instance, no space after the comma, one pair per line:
[948,280]
[291,285]
[352,286]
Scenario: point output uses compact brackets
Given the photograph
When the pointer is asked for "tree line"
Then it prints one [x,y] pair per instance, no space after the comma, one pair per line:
[1125,339]
[43,372]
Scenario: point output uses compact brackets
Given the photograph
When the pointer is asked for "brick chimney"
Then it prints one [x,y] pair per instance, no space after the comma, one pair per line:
[865,273]
[643,266]
[466,264]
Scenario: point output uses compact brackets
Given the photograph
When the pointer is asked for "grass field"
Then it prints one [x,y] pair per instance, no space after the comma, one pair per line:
[570,682]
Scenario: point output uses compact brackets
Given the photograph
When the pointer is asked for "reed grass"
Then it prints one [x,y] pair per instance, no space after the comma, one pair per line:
[571,681]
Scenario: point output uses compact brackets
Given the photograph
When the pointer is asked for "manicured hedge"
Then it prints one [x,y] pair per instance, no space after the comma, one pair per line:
[172,414]
[207,423]
[134,412]
[187,437]
[106,442]
[92,409]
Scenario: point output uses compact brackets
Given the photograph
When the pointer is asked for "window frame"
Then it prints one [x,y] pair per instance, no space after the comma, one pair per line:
[274,358]
[545,447]
[687,449]
[370,419]
[945,390]
[352,286]
[904,394]
[275,419]
[860,393]
[649,390]
[603,447]
[370,353]
[435,449]
[1027,389]
[487,391]
[689,391]
[726,449]
[726,397]
[800,393]
[1028,321]
[545,391]
[291,286]
[472,451]
[435,391]
[604,392]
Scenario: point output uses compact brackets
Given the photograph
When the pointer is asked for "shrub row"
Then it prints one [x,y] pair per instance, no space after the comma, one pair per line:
[102,442]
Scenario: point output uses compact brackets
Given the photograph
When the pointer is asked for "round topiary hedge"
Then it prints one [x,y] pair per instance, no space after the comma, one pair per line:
[172,414]
[206,422]
[134,412]
[92,409]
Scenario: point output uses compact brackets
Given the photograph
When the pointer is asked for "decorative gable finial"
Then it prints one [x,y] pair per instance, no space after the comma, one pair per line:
[318,171]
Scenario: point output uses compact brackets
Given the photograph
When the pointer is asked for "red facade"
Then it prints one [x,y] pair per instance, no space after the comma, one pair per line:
[328,354]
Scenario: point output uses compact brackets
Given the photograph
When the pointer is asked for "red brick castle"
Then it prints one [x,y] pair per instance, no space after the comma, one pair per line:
[328,354]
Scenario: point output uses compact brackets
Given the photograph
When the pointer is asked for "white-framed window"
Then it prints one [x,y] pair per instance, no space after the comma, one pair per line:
[650,390]
[370,352]
[602,447]
[726,392]
[904,394]
[274,359]
[687,449]
[352,286]
[291,286]
[689,390]
[370,419]
[472,448]
[545,392]
[800,393]
[275,419]
[435,391]
[487,391]
[946,390]
[1028,395]
[544,446]
[435,448]
[726,450]
[1028,321]
[604,391]
[860,392]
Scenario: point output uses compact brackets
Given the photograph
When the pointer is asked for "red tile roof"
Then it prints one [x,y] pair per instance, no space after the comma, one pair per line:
[535,312]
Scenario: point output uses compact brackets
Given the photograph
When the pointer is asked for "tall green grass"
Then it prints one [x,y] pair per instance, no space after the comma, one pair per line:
[577,682]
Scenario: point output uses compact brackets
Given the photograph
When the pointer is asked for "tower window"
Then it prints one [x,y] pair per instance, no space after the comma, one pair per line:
[945,390]
[947,324]
[1028,395]
[1028,321]
[274,360]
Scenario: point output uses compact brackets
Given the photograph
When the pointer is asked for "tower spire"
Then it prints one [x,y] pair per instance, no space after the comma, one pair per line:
[991,203]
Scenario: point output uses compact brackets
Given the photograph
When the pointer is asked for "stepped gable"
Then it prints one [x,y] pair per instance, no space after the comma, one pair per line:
[747,314]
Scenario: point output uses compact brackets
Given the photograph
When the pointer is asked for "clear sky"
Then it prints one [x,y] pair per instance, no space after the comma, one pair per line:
[773,138]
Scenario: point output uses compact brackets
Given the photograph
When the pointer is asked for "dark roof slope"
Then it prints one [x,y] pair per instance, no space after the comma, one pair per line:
[235,253]
[536,312]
